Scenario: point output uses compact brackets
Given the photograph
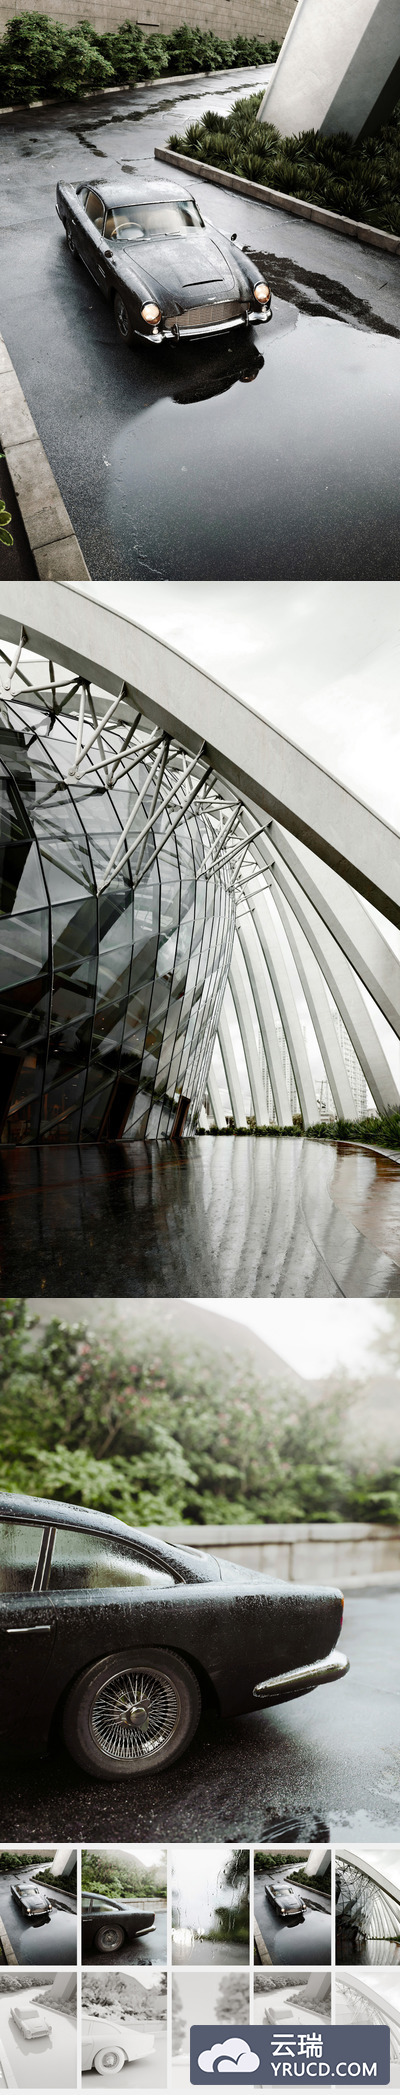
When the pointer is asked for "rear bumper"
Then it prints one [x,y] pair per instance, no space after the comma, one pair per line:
[281,1687]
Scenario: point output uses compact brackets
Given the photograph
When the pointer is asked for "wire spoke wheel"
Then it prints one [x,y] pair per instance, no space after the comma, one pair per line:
[134,1715]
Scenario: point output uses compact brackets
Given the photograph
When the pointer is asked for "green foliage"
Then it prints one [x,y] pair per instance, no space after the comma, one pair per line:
[20,1859]
[126,1879]
[382,1128]
[5,520]
[39,57]
[360,181]
[166,1434]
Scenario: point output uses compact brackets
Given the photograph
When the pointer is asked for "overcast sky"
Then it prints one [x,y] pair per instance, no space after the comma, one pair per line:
[318,659]
[315,1336]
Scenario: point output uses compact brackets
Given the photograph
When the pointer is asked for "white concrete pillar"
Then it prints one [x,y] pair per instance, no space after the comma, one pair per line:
[238,982]
[338,70]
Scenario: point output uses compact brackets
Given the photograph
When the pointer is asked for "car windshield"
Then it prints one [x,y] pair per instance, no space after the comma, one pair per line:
[152,221]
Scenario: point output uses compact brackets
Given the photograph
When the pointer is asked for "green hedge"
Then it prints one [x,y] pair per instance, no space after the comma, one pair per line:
[156,1431]
[381,1129]
[359,181]
[39,57]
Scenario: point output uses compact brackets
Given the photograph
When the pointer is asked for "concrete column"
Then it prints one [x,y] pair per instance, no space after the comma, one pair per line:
[320,1011]
[231,1071]
[282,987]
[215,1097]
[338,70]
[345,990]
[259,980]
[238,984]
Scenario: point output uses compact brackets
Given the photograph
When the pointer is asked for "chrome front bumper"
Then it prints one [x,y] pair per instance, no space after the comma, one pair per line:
[202,334]
[302,1678]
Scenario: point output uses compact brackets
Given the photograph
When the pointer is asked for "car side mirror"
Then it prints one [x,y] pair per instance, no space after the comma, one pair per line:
[233,236]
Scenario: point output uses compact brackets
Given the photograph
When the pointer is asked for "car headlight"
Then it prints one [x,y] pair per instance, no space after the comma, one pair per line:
[151,314]
[262,294]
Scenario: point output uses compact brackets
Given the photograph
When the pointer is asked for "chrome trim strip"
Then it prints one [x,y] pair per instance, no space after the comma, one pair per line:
[33,1629]
[322,1671]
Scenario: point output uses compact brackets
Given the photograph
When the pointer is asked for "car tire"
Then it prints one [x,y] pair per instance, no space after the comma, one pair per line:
[109,1939]
[123,321]
[131,1713]
[110,2059]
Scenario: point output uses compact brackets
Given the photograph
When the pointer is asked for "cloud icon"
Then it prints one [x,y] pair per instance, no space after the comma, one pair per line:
[232,2057]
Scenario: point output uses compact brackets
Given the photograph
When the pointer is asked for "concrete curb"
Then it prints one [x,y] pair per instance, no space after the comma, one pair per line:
[48,527]
[369,1149]
[95,94]
[6,1945]
[296,206]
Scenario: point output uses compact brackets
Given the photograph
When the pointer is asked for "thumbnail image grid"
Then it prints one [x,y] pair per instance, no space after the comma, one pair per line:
[163,1936]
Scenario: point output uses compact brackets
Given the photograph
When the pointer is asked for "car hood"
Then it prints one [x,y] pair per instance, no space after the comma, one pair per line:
[184,265]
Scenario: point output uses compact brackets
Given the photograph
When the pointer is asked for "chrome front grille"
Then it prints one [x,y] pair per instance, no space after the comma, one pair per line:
[214,315]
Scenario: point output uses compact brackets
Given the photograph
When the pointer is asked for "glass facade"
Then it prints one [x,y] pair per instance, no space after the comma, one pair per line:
[109,1002]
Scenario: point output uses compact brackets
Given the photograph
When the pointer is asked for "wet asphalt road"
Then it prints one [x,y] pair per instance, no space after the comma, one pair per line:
[326,1766]
[307,1941]
[206,1217]
[272,455]
[38,1942]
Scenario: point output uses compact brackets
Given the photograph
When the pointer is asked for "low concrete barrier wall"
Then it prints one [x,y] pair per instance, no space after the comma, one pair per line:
[348,1552]
[263,18]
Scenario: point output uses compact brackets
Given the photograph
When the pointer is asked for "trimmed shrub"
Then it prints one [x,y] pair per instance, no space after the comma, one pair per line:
[359,181]
[39,57]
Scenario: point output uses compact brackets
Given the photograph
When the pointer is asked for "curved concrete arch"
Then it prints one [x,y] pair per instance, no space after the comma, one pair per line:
[315,993]
[274,777]
[231,1071]
[259,981]
[345,989]
[238,985]
[282,987]
[350,923]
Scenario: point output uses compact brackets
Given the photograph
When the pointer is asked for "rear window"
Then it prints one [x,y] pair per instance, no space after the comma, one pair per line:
[19,1551]
[88,1560]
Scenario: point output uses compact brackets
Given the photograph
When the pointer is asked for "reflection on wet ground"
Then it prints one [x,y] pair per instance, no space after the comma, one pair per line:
[307,1941]
[295,473]
[205,1217]
[352,1948]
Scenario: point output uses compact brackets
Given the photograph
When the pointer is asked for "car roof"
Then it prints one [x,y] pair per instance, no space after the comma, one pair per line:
[18,1506]
[138,192]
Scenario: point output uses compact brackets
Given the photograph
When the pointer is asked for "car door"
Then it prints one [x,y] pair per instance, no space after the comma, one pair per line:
[90,235]
[27,1621]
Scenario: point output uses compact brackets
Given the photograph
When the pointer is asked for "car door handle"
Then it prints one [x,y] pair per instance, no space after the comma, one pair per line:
[33,1629]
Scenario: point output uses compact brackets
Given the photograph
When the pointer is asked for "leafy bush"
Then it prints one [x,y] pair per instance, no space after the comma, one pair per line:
[359,181]
[165,1434]
[39,57]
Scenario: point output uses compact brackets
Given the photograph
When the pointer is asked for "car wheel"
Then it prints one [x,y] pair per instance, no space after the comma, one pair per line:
[110,2060]
[109,1939]
[131,1713]
[124,323]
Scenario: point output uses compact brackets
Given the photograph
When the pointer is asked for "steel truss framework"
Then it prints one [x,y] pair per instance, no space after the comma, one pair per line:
[368,1908]
[366,2005]
[175,769]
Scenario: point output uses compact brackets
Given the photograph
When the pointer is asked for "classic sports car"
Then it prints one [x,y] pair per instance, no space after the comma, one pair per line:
[165,271]
[286,1903]
[109,2045]
[33,1902]
[118,1639]
[107,1923]
[30,2020]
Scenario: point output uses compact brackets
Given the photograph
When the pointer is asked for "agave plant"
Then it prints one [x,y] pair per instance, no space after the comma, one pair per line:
[5,519]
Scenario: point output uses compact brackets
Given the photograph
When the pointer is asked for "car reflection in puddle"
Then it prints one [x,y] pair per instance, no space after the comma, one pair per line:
[297,475]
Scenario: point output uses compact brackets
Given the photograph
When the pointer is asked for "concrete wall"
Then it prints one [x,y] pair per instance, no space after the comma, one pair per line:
[340,1553]
[263,18]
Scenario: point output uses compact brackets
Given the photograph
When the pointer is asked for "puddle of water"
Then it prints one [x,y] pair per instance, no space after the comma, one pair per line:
[294,476]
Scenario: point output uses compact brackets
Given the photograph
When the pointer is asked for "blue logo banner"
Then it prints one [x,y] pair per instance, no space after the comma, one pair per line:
[246,2056]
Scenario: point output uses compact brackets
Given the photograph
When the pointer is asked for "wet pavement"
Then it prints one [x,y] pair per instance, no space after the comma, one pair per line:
[324,1767]
[38,1942]
[208,1217]
[307,1941]
[275,454]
